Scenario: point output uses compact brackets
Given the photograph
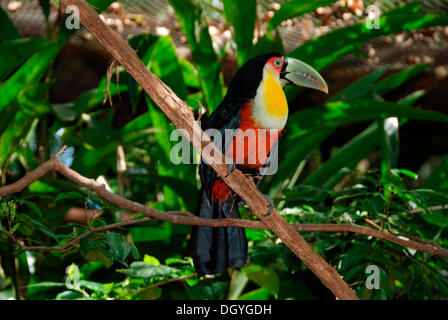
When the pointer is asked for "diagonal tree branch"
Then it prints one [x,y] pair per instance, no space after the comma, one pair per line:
[181,116]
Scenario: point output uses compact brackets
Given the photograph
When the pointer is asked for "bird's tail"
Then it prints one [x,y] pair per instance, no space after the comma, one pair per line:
[216,249]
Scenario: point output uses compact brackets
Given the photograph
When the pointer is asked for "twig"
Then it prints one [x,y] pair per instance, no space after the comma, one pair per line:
[184,217]
[158,284]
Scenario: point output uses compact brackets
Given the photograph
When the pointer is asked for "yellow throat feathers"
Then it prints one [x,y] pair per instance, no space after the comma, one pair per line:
[274,97]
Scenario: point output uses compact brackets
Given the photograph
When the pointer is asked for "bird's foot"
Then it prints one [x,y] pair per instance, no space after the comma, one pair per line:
[231,168]
[271,205]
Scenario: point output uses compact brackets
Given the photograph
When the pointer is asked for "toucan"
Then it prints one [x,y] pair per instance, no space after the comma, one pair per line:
[255,102]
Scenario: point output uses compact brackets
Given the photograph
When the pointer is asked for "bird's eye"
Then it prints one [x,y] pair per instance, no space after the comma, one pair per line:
[278,62]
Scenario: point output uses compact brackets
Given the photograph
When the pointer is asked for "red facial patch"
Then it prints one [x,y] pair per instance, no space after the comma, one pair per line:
[276,63]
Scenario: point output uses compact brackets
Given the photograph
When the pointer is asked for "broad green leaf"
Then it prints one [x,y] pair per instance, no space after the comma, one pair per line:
[151,259]
[294,8]
[358,89]
[45,5]
[116,249]
[144,234]
[268,43]
[34,99]
[8,30]
[15,131]
[46,284]
[265,277]
[14,52]
[334,114]
[439,177]
[100,5]
[64,111]
[92,98]
[257,294]
[343,162]
[42,187]
[391,82]
[30,72]
[190,74]
[68,195]
[140,269]
[94,286]
[438,218]
[195,28]
[69,295]
[237,284]
[97,254]
[292,152]
[242,18]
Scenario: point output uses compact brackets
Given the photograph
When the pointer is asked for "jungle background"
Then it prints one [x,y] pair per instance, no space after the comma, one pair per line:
[373,152]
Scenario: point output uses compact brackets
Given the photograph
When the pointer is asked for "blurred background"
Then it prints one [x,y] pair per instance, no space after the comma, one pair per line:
[372,152]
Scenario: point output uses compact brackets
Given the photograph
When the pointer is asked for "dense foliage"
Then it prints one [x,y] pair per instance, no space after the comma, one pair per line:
[138,262]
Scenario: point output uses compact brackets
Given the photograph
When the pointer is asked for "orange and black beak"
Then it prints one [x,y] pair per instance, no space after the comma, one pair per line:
[301,74]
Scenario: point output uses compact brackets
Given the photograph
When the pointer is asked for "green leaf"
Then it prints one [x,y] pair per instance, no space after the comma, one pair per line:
[242,18]
[438,218]
[360,88]
[257,294]
[14,52]
[151,259]
[141,269]
[190,74]
[334,114]
[439,177]
[34,99]
[92,98]
[377,203]
[30,72]
[45,5]
[144,234]
[94,286]
[343,162]
[209,289]
[294,8]
[69,295]
[46,284]
[265,277]
[268,43]
[100,5]
[98,255]
[9,30]
[116,249]
[195,28]
[391,82]
[42,187]
[68,195]
[237,284]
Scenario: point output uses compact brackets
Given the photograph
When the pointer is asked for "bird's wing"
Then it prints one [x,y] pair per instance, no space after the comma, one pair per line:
[226,116]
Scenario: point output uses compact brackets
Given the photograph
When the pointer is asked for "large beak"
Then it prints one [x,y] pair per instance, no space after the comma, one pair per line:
[300,74]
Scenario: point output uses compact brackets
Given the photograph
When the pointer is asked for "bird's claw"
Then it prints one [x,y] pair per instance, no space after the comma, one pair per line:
[271,205]
[231,168]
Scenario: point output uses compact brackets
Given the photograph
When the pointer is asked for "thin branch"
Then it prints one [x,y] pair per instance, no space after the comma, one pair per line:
[433,208]
[158,284]
[185,217]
